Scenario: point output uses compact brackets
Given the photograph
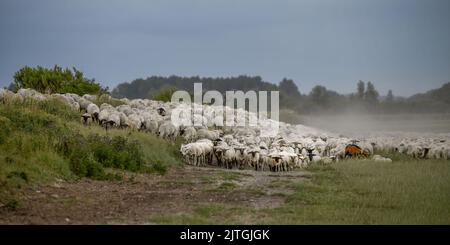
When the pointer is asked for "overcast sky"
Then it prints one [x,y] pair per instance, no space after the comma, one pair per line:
[403,45]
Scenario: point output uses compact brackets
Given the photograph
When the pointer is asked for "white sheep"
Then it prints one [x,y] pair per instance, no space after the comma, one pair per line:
[208,134]
[135,121]
[93,110]
[189,134]
[168,131]
[84,103]
[378,158]
[6,96]
[90,97]
[151,125]
[251,157]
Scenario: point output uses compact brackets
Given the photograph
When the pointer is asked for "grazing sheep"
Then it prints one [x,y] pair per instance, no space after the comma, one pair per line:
[189,134]
[135,122]
[90,97]
[208,134]
[229,157]
[251,157]
[151,125]
[192,153]
[276,164]
[84,103]
[124,121]
[168,131]
[378,158]
[27,93]
[105,106]
[161,111]
[355,151]
[93,110]
[198,153]
[85,118]
[6,96]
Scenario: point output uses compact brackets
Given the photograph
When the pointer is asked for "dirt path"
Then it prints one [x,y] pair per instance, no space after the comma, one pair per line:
[139,197]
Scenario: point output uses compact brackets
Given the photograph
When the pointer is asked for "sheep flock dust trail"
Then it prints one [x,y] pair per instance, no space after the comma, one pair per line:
[137,198]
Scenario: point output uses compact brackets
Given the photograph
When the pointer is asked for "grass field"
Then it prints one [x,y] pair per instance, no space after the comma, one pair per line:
[351,192]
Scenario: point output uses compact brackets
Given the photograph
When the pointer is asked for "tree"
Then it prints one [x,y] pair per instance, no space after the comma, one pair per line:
[290,97]
[288,87]
[390,97]
[371,94]
[56,80]
[361,87]
[165,94]
[319,95]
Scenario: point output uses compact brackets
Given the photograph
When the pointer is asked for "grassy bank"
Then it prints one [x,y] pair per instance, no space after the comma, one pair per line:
[44,141]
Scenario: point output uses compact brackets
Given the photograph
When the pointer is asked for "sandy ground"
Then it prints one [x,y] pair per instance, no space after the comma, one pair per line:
[138,197]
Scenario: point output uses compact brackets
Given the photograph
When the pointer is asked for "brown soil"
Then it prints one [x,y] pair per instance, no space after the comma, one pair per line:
[138,197]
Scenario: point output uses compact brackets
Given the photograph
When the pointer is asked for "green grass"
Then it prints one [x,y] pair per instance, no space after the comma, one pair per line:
[230,176]
[42,141]
[365,192]
[406,191]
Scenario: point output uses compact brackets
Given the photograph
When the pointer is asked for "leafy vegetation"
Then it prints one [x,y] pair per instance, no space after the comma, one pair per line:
[43,141]
[165,94]
[56,80]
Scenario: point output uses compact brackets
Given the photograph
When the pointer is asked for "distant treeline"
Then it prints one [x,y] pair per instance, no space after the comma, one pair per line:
[320,100]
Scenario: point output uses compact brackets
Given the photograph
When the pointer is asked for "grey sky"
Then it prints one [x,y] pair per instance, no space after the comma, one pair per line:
[402,45]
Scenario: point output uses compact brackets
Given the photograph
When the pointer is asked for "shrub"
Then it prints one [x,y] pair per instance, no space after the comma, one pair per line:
[117,152]
[88,154]
[56,80]
[159,167]
[83,164]
[165,94]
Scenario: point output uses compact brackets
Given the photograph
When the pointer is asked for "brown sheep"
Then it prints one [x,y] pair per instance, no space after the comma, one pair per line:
[355,151]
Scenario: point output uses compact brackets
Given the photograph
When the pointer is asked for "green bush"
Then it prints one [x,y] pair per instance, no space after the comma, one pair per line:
[87,154]
[83,164]
[165,94]
[56,80]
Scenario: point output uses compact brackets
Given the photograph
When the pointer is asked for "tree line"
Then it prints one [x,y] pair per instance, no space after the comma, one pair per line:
[366,98]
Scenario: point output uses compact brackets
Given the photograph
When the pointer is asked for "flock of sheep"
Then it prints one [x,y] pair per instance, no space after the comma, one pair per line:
[295,146]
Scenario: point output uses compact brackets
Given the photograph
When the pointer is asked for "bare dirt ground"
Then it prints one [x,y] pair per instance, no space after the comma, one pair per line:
[138,197]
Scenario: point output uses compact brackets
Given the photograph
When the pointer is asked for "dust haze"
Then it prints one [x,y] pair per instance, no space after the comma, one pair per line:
[364,123]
